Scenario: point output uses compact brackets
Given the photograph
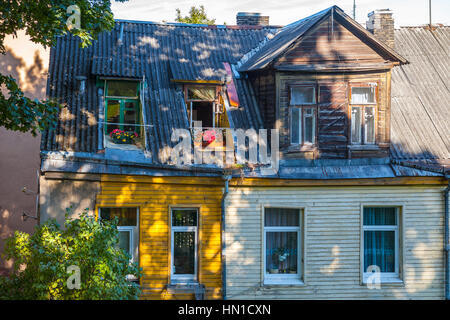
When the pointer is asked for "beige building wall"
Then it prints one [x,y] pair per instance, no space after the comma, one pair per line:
[332,241]
[19,152]
[62,191]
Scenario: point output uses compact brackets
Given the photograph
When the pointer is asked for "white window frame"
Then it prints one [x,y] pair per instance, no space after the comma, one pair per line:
[302,115]
[362,106]
[133,230]
[385,277]
[302,126]
[374,124]
[183,278]
[283,278]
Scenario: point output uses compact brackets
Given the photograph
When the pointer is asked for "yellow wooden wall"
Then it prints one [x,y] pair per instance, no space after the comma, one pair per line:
[154,196]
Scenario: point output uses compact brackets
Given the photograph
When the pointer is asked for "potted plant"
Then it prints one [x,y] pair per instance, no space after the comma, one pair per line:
[123,137]
[281,254]
[273,269]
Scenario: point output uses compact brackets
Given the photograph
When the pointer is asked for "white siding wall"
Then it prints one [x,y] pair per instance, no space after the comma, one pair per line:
[333,241]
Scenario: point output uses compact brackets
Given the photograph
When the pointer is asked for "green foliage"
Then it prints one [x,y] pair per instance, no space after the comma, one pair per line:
[41,262]
[196,16]
[19,113]
[44,21]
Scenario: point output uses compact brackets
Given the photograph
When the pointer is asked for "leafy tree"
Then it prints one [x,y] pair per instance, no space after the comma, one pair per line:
[42,261]
[196,16]
[44,21]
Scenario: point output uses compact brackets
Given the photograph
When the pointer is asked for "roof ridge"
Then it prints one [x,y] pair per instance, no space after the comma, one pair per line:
[423,26]
[194,25]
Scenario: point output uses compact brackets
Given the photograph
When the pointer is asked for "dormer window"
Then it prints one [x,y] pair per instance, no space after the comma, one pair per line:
[207,116]
[202,104]
[303,106]
[363,114]
[122,110]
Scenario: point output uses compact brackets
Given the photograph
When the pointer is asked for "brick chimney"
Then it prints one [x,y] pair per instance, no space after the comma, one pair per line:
[381,24]
[251,19]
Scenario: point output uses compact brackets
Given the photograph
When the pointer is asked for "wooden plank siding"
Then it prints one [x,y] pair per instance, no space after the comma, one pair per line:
[154,196]
[333,117]
[330,42]
[332,241]
[264,86]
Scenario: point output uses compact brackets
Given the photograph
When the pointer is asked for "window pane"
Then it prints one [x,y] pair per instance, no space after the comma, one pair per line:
[363,95]
[369,124]
[379,250]
[302,95]
[309,125]
[380,217]
[281,252]
[126,216]
[113,115]
[124,241]
[356,125]
[207,94]
[295,125]
[122,88]
[130,116]
[280,217]
[184,218]
[184,252]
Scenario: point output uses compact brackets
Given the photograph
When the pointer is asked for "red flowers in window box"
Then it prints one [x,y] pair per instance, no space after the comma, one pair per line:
[208,137]
[123,137]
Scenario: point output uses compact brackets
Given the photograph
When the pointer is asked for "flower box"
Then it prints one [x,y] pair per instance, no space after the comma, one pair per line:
[123,137]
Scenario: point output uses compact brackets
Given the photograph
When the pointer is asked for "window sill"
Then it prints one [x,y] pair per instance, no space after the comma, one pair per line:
[390,281]
[109,144]
[132,278]
[301,148]
[183,284]
[283,283]
[187,287]
[362,147]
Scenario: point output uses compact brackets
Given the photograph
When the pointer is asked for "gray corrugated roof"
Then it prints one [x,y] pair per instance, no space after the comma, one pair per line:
[421,96]
[161,52]
[420,90]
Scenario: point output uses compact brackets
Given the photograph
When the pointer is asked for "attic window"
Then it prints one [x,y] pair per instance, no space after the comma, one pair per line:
[303,115]
[123,113]
[363,114]
[203,105]
[122,89]
[207,115]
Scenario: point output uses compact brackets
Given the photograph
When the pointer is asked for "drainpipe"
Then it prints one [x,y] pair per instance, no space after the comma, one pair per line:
[446,244]
[224,270]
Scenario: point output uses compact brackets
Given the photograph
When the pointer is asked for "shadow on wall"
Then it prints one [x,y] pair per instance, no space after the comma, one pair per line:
[19,152]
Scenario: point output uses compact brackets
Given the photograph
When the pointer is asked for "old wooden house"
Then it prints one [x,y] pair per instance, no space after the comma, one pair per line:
[355,207]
